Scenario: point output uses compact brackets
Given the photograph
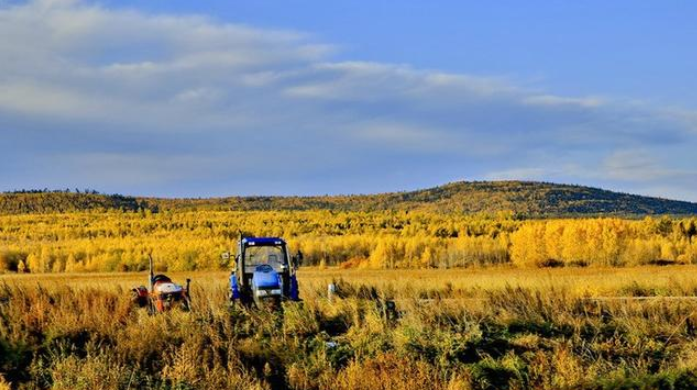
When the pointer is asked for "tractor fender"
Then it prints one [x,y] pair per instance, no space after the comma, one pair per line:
[294,290]
[139,296]
[234,287]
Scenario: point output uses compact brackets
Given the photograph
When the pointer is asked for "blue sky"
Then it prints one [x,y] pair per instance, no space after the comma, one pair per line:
[214,98]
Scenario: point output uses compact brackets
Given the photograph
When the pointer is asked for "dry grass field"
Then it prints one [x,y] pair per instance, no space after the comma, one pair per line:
[500,328]
[410,283]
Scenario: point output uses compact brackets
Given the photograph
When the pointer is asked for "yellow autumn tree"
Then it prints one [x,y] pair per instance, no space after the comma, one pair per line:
[528,246]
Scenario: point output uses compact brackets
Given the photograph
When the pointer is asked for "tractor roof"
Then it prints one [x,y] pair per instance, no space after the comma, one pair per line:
[263,241]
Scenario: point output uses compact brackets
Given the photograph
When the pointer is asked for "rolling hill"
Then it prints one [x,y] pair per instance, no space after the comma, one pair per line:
[527,198]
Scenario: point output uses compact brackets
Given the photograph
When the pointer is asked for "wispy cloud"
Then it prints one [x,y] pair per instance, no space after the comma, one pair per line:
[551,100]
[648,168]
[183,105]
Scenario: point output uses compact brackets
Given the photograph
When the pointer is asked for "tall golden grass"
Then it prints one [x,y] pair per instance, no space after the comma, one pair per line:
[456,329]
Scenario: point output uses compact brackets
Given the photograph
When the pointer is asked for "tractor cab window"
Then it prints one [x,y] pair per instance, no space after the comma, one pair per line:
[258,255]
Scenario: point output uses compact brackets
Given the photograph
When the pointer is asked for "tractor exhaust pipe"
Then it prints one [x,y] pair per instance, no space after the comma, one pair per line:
[152,274]
[152,286]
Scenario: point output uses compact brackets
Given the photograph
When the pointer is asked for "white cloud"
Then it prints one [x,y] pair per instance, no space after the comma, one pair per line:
[133,169]
[551,100]
[407,137]
[519,174]
[198,95]
[643,166]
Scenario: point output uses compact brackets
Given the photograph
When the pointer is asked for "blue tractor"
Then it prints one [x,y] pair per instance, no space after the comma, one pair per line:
[264,273]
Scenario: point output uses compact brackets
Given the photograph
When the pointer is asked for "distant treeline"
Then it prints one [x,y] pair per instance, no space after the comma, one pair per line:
[48,191]
[65,201]
[524,199]
[122,241]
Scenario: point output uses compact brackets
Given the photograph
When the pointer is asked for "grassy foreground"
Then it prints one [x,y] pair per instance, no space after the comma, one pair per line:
[457,329]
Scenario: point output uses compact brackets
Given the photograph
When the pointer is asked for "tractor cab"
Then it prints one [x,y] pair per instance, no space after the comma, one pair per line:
[263,271]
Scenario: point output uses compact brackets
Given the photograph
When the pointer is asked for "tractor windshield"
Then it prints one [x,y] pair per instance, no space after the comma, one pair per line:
[258,255]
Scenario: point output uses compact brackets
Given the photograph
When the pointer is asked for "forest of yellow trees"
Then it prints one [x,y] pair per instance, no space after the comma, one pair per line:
[122,241]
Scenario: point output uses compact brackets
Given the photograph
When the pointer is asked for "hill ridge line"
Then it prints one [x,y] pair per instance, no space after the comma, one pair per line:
[531,198]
